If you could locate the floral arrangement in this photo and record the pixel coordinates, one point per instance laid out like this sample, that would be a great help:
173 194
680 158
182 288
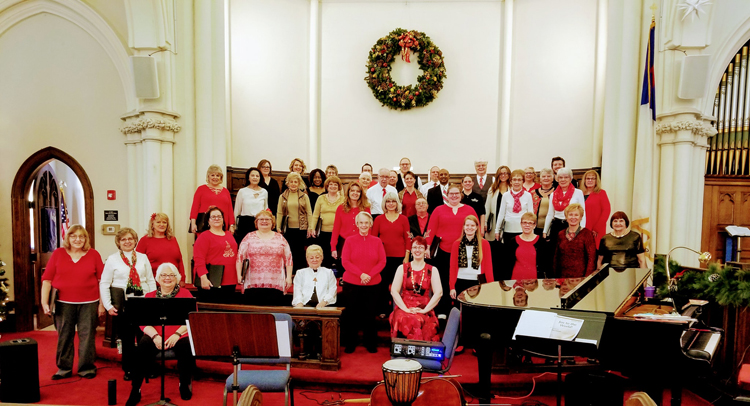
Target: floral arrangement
725 285
383 53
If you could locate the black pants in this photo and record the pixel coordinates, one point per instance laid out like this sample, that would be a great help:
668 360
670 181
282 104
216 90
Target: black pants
128 334
147 353
297 240
265 297
497 249
387 274
359 314
221 294
245 225
340 252
554 230
442 261
324 240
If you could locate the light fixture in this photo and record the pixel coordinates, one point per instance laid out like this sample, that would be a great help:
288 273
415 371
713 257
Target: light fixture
703 258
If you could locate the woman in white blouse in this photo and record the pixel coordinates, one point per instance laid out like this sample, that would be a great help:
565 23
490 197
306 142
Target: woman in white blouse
564 195
250 200
515 202
314 285
130 271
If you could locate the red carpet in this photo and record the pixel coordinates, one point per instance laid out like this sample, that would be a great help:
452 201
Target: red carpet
360 371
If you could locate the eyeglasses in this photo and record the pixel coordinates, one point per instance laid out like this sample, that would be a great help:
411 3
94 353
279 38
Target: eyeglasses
77 237
266 167
168 275
127 239
216 217
454 193
528 223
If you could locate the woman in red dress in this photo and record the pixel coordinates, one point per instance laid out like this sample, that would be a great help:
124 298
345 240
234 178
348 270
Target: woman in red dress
414 317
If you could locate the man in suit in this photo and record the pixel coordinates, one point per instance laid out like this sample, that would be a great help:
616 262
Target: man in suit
482 182
404 165
439 194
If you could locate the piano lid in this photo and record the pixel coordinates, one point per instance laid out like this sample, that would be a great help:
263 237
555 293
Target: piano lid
602 291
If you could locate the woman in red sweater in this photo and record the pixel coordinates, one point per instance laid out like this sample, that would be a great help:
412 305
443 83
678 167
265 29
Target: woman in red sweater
160 246
446 223
393 229
74 270
363 258
575 253
215 248
212 194
343 223
597 205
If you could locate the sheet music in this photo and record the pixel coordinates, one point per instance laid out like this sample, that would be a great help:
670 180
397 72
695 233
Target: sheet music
736 231
534 323
282 338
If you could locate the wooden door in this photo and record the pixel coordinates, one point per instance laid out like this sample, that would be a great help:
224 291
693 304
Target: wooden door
726 201
46 232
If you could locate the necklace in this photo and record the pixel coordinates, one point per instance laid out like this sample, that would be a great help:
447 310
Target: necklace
417 287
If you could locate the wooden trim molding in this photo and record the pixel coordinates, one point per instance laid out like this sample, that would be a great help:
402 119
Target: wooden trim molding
23 273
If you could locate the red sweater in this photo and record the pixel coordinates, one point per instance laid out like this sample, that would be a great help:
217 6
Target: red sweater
215 249
76 282
597 214
161 250
485 266
395 236
363 255
344 225
169 330
448 226
204 198
575 258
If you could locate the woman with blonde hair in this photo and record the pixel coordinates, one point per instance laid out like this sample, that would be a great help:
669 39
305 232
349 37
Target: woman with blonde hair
597 204
160 246
74 270
575 252
129 271
325 214
294 217
212 194
529 179
297 166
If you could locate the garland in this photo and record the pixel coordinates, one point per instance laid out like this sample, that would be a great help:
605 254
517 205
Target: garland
383 53
727 286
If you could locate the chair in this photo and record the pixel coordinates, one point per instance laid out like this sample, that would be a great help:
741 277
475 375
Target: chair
274 380
450 340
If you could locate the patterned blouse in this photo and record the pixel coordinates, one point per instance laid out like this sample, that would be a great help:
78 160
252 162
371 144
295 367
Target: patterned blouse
268 261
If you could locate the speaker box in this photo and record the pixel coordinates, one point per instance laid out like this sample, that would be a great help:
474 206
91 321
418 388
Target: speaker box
19 371
593 389
145 76
694 76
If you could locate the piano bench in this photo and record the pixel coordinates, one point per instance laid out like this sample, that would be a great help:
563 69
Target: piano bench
743 378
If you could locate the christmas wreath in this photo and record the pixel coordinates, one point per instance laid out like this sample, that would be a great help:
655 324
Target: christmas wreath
383 53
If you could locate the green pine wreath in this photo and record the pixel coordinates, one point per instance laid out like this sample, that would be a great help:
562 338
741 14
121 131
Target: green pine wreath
430 59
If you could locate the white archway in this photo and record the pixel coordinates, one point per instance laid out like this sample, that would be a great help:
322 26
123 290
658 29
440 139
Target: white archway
14 11
719 61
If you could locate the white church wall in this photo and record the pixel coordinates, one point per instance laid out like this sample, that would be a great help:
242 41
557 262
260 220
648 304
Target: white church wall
552 108
60 89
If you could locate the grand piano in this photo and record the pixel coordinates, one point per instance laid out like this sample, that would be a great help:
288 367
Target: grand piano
646 350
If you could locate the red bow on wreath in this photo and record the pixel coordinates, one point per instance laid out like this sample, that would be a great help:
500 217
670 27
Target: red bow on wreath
406 41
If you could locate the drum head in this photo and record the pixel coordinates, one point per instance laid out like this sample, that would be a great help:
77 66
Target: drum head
402 365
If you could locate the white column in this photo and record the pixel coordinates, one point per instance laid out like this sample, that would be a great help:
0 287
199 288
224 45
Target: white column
503 143
666 177
130 146
600 75
203 89
167 178
314 155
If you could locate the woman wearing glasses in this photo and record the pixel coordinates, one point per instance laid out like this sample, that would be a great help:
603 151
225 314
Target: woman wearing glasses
268 183
215 250
525 252
269 274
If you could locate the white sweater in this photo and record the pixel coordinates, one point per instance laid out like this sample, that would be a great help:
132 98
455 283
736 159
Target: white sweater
116 274
325 285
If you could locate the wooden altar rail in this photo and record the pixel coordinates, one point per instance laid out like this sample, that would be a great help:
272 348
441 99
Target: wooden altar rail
328 318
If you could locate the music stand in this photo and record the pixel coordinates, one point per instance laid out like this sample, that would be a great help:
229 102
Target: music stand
232 335
153 311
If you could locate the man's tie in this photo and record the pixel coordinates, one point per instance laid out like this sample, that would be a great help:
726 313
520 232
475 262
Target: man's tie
481 183
383 192
445 194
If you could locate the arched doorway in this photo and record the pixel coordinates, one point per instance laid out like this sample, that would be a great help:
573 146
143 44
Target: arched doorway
23 272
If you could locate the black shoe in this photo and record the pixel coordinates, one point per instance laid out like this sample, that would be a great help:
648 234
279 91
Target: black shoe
186 391
88 375
127 376
134 398
349 349
57 376
372 349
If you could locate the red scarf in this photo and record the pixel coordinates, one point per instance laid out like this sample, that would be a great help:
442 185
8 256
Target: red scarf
134 281
560 199
516 200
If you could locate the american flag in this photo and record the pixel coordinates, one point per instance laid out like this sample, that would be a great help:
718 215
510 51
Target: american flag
64 217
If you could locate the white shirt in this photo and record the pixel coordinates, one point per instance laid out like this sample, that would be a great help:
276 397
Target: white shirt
484 180
426 187
116 274
375 196
552 213
469 273
250 202
513 220
325 285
